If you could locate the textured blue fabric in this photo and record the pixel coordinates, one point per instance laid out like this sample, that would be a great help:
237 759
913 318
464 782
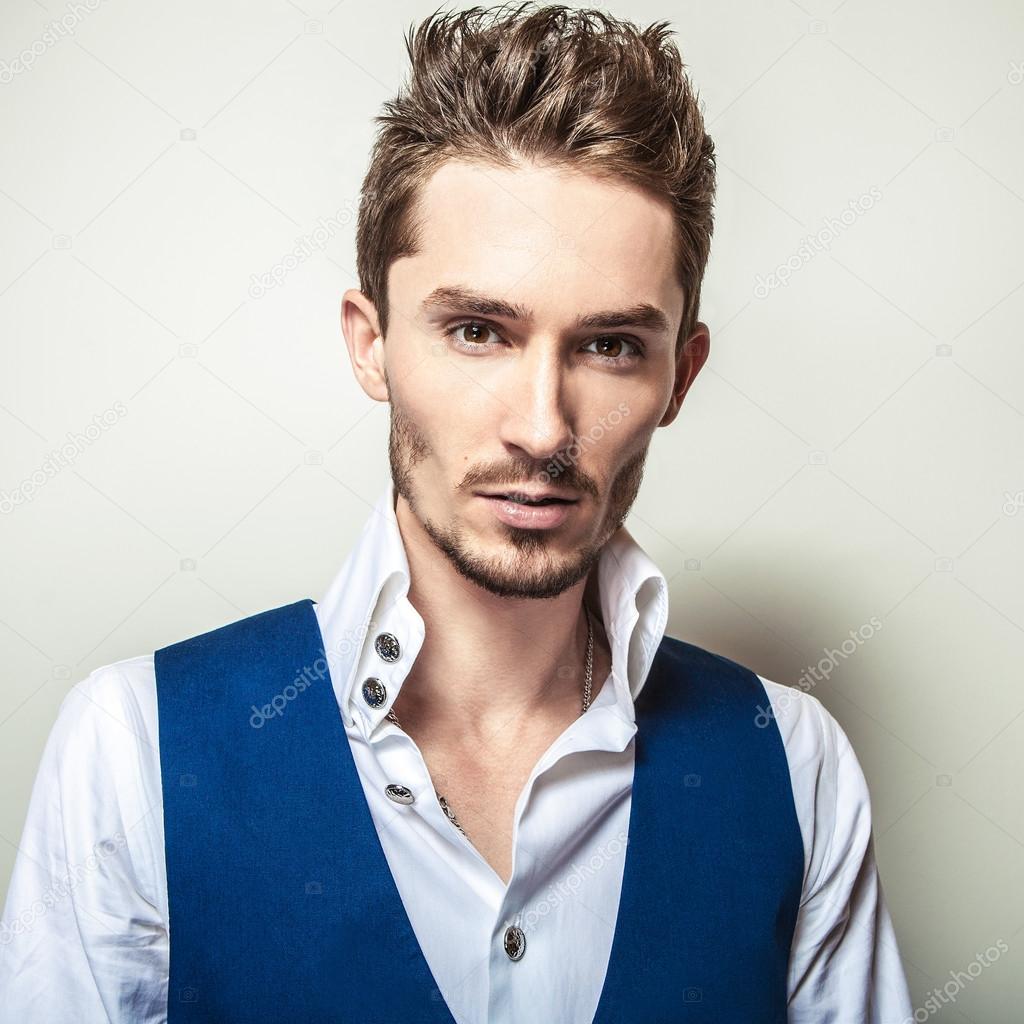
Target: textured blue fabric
283 907
714 864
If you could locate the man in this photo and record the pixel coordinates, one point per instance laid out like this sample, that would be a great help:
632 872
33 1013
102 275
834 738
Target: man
477 782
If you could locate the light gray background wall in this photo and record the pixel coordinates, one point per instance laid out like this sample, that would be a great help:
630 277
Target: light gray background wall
853 449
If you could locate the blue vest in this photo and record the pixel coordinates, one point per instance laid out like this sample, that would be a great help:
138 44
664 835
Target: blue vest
282 904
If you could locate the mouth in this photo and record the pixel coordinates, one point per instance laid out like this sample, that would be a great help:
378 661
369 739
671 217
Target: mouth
541 510
534 499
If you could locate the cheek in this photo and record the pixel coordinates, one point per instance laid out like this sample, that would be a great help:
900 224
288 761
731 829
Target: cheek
458 422
620 435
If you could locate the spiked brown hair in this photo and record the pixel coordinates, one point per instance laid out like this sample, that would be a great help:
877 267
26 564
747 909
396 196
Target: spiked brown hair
570 87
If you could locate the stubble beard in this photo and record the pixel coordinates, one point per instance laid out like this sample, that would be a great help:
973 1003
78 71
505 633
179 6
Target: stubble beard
529 569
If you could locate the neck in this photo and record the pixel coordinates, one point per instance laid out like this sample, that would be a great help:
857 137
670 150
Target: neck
493 670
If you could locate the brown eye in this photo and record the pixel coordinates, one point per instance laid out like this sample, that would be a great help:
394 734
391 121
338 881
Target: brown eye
473 336
609 346
473 332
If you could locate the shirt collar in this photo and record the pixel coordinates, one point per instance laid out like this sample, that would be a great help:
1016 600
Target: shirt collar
369 596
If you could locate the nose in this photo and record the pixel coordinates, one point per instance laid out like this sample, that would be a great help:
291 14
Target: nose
536 423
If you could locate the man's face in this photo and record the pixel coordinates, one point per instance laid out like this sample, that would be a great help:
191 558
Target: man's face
499 385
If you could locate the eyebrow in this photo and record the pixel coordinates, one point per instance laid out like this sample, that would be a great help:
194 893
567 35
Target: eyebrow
643 314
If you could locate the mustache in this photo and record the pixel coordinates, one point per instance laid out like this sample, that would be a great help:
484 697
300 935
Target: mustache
516 474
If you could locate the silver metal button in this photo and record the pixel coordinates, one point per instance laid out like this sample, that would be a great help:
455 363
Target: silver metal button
515 942
373 692
400 794
387 646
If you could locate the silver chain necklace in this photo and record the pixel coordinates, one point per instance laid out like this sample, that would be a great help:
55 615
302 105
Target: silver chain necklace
587 681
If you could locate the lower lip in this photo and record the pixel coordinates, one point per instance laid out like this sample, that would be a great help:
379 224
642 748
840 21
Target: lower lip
531 517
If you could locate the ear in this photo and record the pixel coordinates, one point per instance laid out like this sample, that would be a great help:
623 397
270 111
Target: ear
693 353
360 326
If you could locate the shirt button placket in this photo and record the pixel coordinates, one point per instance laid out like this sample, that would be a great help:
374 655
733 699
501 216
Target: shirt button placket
388 649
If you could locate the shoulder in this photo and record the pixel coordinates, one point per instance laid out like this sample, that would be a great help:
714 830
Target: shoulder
105 741
830 792
705 669
99 776
809 732
814 741
106 715
808 729
264 625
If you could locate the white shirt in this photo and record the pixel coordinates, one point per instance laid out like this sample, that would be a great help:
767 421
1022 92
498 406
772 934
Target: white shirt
84 934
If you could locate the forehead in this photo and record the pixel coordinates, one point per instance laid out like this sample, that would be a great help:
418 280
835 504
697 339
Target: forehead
550 238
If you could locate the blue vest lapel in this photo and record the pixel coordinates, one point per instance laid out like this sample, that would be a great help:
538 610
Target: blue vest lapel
714 861
282 905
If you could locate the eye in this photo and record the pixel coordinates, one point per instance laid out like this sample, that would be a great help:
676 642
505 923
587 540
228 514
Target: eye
470 334
616 341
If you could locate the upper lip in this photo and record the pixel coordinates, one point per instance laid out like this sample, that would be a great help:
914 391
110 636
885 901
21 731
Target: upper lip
532 495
